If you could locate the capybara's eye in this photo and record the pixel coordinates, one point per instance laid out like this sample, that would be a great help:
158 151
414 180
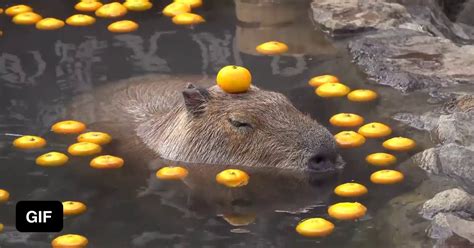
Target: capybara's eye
239 124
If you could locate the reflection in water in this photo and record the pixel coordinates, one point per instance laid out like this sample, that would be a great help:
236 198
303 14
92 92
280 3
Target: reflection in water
145 59
12 71
215 51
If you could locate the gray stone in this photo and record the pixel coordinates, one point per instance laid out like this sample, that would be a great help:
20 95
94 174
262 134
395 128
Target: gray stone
408 60
449 201
450 160
349 16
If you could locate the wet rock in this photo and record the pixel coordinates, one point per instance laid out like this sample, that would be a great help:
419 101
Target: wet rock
409 60
350 16
450 160
449 201
451 213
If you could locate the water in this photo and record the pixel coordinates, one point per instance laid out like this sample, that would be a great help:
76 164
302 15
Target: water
40 72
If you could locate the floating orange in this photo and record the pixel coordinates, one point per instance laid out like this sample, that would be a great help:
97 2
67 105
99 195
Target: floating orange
88 5
272 48
124 26
375 130
233 178
315 227
176 8
386 177
98 138
49 24
4 195
350 190
349 139
362 95
68 127
346 120
137 5
111 10
17 9
26 18
192 3
381 159
399 144
329 90
84 149
29 142
80 20
106 162
172 173
73 208
187 19
323 79
52 159
70 241
347 210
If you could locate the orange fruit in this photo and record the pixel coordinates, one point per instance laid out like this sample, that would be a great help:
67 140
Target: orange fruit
111 10
106 162
233 178
187 19
137 5
323 79
375 130
70 241
84 149
52 159
172 173
192 3
386 177
381 159
123 26
80 20
272 48
362 95
49 24
29 142
176 8
17 9
234 79
315 227
26 18
347 210
73 208
329 90
350 190
88 5
68 127
98 138
349 139
4 195
399 144
346 120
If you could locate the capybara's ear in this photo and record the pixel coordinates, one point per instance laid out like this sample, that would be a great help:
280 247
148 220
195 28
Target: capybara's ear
195 99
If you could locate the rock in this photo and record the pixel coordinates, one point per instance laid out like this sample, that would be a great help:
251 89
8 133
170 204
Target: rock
350 16
409 60
449 201
456 128
451 212
450 160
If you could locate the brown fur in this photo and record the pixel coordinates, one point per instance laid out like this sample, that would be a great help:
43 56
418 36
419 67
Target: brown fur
154 108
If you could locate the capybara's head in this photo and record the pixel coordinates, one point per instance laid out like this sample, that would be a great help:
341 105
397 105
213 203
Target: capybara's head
255 128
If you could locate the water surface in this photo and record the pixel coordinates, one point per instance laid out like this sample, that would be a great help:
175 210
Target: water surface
40 72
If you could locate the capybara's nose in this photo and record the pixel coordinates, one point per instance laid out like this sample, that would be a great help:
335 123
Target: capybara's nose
322 162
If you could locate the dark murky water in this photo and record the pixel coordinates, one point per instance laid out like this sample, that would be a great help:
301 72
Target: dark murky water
41 71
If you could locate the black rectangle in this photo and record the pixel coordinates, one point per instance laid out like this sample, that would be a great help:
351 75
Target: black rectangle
39 216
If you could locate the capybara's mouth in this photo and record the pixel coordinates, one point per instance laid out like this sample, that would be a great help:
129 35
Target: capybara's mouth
327 175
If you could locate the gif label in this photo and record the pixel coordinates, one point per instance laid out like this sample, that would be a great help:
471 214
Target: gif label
39 216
